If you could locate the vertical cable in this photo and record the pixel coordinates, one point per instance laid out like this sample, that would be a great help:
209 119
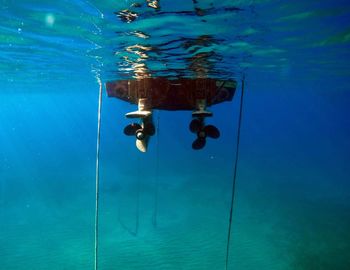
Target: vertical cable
97 176
234 176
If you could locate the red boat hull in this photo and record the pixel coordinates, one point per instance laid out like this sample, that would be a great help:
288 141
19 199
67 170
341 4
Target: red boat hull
165 94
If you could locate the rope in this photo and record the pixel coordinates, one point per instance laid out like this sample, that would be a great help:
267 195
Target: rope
97 177
234 176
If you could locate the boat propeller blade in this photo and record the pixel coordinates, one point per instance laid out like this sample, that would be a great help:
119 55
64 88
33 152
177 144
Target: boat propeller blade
199 143
212 131
196 125
131 129
149 129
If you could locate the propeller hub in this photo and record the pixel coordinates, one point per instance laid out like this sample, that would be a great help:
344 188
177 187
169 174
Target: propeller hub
140 135
202 134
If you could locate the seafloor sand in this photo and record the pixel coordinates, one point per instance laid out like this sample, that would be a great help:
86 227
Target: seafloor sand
48 224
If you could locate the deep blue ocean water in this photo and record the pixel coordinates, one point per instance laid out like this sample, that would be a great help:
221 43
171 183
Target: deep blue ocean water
292 199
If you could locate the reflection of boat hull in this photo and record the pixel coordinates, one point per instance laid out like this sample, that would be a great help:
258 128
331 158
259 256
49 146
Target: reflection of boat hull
164 94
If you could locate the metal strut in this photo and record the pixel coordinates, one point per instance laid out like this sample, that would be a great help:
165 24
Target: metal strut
234 176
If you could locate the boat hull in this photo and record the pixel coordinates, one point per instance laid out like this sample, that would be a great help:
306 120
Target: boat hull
180 94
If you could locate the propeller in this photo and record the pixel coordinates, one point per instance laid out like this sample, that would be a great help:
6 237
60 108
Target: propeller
198 143
212 131
197 126
149 129
136 129
130 130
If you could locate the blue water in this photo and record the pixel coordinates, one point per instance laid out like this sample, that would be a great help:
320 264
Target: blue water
292 204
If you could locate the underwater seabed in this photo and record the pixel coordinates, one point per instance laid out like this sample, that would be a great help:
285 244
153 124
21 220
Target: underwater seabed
272 229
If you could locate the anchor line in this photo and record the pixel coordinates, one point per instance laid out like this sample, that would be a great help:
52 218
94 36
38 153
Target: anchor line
234 176
97 176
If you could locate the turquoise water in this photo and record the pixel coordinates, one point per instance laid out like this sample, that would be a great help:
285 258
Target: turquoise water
292 204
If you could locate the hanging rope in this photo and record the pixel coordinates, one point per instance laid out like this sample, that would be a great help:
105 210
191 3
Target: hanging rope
97 176
234 176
